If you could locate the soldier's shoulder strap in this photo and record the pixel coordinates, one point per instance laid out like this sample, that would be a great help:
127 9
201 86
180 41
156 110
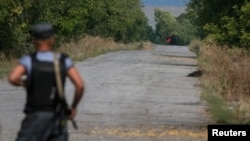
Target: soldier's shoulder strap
58 75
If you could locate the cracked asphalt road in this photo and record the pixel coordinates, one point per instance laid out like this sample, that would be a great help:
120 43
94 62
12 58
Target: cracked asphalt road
130 96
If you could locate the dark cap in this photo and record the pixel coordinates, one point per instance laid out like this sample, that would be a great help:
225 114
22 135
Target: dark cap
42 31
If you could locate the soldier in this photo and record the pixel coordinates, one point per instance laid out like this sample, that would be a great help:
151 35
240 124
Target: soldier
42 120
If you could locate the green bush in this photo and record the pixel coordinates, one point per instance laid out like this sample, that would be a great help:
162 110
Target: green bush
225 22
122 20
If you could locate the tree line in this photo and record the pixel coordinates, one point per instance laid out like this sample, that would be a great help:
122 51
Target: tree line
122 20
225 22
178 29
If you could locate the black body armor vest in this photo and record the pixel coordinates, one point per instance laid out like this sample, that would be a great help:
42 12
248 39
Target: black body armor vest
42 92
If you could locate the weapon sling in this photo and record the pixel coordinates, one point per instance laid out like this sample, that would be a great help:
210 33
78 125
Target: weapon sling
59 84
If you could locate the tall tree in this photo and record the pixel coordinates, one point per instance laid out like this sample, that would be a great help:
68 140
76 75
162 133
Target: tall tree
122 20
222 21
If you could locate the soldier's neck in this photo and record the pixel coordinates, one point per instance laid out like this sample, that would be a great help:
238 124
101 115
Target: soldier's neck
44 48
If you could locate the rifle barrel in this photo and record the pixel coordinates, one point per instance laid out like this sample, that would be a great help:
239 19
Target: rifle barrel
74 124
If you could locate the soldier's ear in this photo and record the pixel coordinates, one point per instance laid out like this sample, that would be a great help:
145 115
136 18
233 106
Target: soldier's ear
52 41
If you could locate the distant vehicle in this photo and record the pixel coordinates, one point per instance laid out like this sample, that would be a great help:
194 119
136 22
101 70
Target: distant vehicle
168 40
173 40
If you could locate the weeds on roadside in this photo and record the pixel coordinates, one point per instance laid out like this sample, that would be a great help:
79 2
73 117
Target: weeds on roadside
93 46
195 46
82 49
5 65
226 82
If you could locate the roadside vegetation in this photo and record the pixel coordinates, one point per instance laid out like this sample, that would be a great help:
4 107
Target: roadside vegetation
123 20
223 51
225 81
5 65
82 49
84 28
94 46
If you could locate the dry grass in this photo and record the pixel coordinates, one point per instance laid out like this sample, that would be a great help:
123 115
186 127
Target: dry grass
227 76
82 49
93 46
195 46
5 65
